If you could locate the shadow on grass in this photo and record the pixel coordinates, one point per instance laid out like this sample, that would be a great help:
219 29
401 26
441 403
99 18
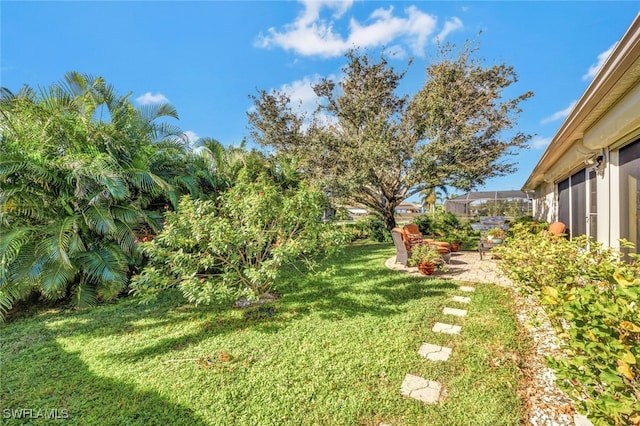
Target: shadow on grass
358 284
43 376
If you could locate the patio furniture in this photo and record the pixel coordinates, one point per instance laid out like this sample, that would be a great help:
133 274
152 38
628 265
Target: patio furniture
486 245
402 254
412 236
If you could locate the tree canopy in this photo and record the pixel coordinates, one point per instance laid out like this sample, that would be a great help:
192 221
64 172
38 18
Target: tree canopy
369 145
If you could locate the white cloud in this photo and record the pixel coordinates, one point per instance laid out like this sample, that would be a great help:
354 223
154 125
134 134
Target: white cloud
540 143
301 93
304 99
192 136
450 26
594 68
311 34
149 98
560 114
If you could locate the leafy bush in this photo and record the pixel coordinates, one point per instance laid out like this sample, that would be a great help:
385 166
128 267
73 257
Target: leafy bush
535 259
425 224
235 247
445 225
530 223
592 297
373 227
602 340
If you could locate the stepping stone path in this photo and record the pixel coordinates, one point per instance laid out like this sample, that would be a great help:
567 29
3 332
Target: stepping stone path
440 327
428 391
434 352
418 388
455 312
461 299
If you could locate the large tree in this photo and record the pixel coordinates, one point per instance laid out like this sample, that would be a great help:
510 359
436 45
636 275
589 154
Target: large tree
372 146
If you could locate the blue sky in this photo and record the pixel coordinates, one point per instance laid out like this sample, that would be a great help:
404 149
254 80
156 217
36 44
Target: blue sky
207 57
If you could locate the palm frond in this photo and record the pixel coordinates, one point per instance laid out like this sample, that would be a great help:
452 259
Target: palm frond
85 295
153 219
77 245
12 292
126 214
99 219
110 290
146 181
12 242
57 239
152 112
55 278
187 183
27 265
104 265
125 236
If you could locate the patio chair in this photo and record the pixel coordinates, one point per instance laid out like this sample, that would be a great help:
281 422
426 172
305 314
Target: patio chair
402 253
412 236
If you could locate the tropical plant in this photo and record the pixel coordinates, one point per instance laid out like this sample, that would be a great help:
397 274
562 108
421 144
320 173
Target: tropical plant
75 186
495 233
424 253
372 226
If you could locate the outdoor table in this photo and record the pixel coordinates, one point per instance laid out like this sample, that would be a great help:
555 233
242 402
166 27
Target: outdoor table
485 246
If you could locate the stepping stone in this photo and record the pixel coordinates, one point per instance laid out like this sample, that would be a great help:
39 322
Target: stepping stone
434 352
581 420
446 328
418 388
456 312
466 288
461 299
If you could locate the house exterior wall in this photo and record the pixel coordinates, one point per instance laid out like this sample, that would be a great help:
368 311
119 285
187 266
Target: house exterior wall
605 121
609 199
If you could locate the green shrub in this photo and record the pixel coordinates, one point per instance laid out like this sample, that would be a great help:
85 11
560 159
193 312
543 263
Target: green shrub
425 224
530 223
602 340
236 246
441 224
373 227
535 259
592 298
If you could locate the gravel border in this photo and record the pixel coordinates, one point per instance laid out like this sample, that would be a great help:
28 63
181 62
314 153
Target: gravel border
547 404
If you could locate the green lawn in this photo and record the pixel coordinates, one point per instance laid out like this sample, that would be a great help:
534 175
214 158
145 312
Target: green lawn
332 351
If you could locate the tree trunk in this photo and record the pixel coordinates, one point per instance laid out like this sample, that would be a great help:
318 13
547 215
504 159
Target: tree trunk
388 215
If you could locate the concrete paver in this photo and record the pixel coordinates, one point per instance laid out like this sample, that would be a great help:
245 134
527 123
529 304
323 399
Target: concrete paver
465 267
440 327
455 312
434 352
423 390
467 288
461 299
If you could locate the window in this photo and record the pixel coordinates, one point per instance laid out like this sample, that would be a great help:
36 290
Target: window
630 193
572 203
564 204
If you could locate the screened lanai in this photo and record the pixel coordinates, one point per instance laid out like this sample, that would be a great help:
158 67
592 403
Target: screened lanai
491 203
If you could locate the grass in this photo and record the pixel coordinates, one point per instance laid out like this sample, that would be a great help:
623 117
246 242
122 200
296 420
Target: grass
332 351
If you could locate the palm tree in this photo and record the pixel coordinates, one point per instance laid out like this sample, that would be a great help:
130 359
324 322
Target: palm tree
430 197
76 183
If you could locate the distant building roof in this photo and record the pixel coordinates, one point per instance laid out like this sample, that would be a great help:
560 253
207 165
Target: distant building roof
470 197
